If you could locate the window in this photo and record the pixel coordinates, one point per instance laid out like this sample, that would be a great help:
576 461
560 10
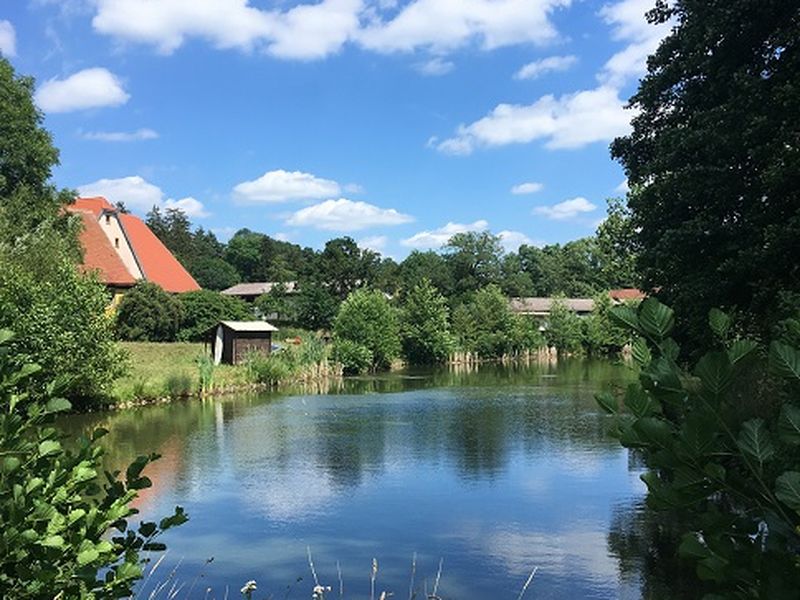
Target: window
116 243
108 219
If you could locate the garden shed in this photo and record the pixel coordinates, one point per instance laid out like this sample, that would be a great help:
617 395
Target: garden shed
232 341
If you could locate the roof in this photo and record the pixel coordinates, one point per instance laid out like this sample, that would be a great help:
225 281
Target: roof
157 263
98 254
627 294
258 288
542 305
95 205
249 325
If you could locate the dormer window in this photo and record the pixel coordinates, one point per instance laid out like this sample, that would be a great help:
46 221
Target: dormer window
108 219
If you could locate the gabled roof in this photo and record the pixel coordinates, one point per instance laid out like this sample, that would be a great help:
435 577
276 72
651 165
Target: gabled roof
98 254
249 325
156 261
543 305
627 294
95 205
258 288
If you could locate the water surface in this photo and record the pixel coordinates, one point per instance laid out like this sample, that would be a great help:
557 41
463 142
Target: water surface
495 472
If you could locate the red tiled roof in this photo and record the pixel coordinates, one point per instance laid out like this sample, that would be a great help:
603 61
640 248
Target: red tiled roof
156 261
627 294
95 205
98 254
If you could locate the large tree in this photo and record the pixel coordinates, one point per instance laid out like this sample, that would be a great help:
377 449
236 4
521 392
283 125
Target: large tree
714 157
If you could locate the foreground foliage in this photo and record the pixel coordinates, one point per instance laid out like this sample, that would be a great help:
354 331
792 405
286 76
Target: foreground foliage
64 527
726 466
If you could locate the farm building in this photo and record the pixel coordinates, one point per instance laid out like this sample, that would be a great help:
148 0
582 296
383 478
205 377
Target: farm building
250 291
232 341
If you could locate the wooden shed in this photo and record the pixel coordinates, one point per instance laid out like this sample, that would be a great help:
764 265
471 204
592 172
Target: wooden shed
232 341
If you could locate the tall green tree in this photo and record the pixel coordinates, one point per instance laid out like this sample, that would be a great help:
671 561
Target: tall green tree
367 318
617 246
474 260
425 326
714 156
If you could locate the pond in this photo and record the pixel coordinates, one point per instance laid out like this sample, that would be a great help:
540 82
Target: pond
492 472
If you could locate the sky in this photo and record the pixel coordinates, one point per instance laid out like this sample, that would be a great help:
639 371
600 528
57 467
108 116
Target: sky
398 123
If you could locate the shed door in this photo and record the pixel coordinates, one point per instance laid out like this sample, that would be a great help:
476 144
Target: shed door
218 346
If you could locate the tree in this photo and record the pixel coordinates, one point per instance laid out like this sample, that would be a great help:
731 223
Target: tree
315 306
564 328
617 246
244 253
429 265
203 309
474 260
713 158
367 318
212 273
424 326
343 266
148 314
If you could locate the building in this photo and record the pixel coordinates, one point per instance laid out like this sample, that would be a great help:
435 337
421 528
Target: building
250 291
232 341
540 307
626 295
122 250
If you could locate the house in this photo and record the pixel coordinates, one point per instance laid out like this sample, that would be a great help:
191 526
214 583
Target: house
122 250
232 341
626 294
540 307
250 291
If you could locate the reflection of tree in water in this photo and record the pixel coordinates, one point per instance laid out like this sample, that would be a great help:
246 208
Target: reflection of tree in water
476 435
645 543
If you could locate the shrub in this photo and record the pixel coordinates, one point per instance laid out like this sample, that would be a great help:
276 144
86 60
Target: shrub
367 319
564 328
148 314
354 357
65 526
178 385
424 325
268 369
728 468
601 335
203 309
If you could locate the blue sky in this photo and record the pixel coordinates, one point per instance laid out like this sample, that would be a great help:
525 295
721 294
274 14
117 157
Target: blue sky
395 122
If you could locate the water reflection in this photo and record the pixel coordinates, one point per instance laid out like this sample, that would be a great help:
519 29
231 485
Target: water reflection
496 470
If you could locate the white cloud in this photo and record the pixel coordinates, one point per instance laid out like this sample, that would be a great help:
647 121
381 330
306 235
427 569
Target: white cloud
435 66
570 121
568 209
550 64
8 39
629 25
529 187
623 187
310 31
90 88
281 186
512 240
447 25
436 238
353 188
191 207
346 215
377 243
120 136
139 195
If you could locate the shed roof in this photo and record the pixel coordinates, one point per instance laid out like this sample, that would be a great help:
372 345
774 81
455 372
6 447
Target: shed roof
98 254
249 325
543 305
257 288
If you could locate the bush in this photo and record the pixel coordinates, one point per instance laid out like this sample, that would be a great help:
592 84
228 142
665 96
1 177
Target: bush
600 334
65 526
179 385
424 324
213 273
564 328
203 309
366 318
726 467
354 358
60 316
268 369
148 314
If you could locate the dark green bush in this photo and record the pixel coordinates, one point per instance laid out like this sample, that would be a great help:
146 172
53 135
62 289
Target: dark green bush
424 326
355 358
268 369
367 318
148 314
723 463
203 309
65 527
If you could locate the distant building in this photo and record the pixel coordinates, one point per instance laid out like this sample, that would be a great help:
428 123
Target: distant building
122 250
250 291
233 341
626 294
540 307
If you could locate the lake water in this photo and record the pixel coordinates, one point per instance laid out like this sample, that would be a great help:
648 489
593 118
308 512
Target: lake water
492 472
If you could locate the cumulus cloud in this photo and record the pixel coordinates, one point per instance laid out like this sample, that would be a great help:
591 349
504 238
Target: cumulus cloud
377 243
281 186
436 238
90 88
121 136
512 240
623 187
8 39
435 66
529 187
568 209
346 215
139 195
550 64
570 121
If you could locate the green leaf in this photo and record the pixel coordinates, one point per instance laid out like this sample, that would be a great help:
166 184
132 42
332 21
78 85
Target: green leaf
787 489
88 556
741 349
11 464
670 349
625 317
789 424
654 431
715 372
691 547
639 402
6 336
719 322
656 319
49 447
640 352
58 405
607 402
784 360
754 441
53 541
128 570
